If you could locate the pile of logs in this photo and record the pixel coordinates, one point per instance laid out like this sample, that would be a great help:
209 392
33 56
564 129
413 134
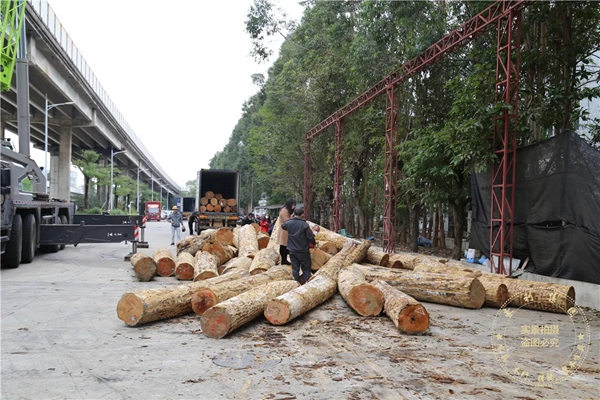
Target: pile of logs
214 202
235 279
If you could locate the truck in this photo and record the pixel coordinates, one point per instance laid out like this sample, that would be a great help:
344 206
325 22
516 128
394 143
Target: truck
186 205
152 210
224 185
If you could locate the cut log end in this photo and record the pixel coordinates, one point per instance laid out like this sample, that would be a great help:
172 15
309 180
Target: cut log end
130 309
501 297
257 271
366 300
413 320
395 264
276 312
184 272
204 275
202 300
477 293
165 267
215 323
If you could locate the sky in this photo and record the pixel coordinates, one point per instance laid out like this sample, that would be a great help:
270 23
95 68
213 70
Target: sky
179 72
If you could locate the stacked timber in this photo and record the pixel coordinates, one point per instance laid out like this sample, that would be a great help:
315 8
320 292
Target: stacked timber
215 202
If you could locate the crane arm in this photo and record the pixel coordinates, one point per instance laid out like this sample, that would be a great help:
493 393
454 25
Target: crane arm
12 13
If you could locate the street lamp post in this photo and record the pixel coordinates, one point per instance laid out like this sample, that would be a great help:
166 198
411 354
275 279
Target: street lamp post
112 154
48 108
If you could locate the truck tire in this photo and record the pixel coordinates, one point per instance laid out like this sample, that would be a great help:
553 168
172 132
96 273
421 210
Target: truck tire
29 239
12 256
63 221
49 248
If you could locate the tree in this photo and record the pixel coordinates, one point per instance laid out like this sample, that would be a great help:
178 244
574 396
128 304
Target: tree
89 167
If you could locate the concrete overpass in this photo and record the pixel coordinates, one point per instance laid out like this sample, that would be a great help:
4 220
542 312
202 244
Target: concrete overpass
58 71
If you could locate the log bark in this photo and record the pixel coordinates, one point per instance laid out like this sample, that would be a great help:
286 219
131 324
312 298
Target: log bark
332 267
223 253
274 234
406 313
263 239
165 262
318 258
205 298
447 270
363 297
542 296
248 242
377 257
326 235
184 269
236 237
264 260
234 264
192 244
288 306
229 315
144 266
327 247
205 266
256 227
136 308
458 291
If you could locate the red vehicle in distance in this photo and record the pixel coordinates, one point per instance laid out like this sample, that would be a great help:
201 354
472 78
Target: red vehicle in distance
152 210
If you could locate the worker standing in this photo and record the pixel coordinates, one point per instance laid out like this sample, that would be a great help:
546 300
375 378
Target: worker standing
176 220
300 237
282 237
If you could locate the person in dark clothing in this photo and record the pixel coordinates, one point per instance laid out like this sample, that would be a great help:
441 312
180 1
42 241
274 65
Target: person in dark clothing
191 221
299 238
248 219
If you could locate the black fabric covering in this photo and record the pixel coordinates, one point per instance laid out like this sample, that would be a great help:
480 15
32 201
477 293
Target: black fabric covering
557 209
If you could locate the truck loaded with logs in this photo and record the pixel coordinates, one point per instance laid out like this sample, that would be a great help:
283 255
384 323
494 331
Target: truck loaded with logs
217 198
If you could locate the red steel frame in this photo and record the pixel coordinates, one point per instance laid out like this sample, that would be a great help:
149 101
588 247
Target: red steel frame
337 177
505 143
498 13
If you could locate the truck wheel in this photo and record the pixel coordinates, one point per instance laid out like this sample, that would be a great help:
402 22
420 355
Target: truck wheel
29 233
49 248
63 221
14 247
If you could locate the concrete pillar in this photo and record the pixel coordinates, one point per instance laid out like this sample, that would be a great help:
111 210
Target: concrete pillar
52 175
64 164
2 128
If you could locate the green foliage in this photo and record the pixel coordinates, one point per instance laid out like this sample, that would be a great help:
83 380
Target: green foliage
93 210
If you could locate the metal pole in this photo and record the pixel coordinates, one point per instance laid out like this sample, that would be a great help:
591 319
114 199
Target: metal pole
152 180
137 206
111 179
46 143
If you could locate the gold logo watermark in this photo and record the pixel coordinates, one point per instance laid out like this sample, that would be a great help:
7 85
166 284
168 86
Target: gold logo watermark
519 346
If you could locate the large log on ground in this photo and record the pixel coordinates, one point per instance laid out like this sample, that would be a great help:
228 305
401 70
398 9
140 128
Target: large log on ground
229 315
274 234
543 296
406 313
332 267
318 258
192 244
162 303
184 269
236 237
235 264
364 298
447 269
223 253
458 291
377 257
327 247
205 298
326 235
144 266
288 306
263 239
205 266
264 260
165 262
248 242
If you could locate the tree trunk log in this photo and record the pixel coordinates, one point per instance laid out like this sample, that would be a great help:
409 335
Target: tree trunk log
332 267
205 266
203 201
318 258
447 270
144 266
229 315
377 257
184 269
223 252
248 242
264 260
205 298
406 313
263 240
273 240
363 297
435 288
329 236
288 306
162 303
327 247
209 194
192 244
236 263
165 262
232 202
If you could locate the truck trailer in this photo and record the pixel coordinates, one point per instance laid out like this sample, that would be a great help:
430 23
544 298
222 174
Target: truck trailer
223 188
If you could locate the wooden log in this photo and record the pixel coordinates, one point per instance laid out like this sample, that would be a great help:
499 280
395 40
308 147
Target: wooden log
214 202
274 234
229 315
542 296
144 266
235 264
165 262
203 201
222 267
223 202
236 238
327 247
192 244
332 267
209 194
248 241
406 313
217 208
377 257
263 239
326 235
205 266
136 308
405 261
318 258
223 235
364 298
205 298
447 270
218 196
285 308
210 207
232 202
264 260
458 291
256 227
203 208
223 253
184 269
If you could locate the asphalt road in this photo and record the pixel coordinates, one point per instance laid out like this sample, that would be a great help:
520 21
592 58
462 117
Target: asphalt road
61 339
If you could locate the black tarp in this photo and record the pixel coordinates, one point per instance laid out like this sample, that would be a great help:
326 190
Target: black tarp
557 209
